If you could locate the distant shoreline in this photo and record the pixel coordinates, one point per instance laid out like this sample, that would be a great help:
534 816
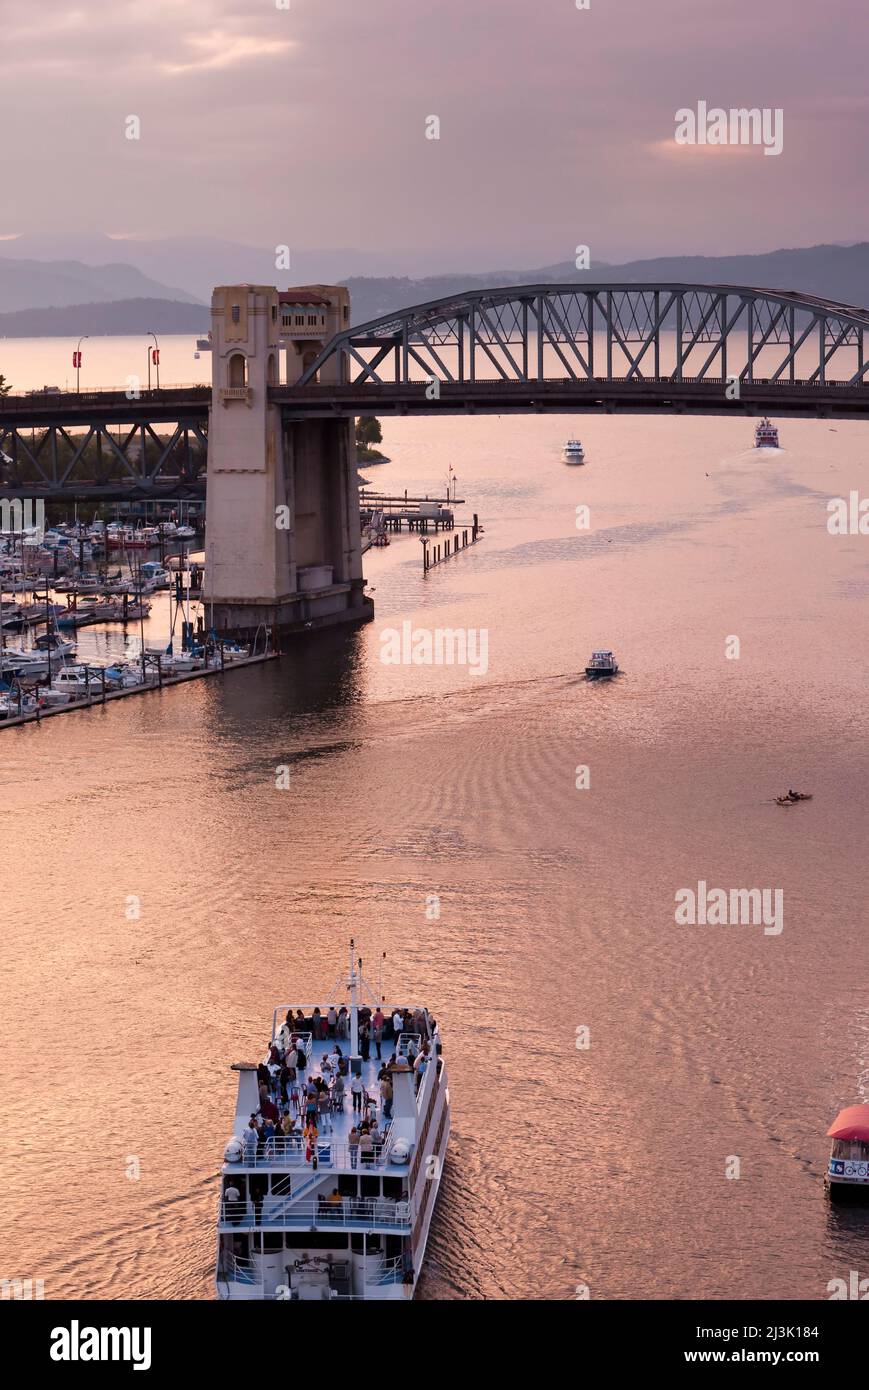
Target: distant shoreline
117 319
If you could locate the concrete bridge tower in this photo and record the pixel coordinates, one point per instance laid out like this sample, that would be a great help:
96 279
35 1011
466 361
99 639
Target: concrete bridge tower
282 512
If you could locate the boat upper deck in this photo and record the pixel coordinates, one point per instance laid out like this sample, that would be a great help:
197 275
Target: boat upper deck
271 1090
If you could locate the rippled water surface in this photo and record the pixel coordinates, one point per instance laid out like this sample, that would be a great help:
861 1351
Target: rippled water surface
605 1165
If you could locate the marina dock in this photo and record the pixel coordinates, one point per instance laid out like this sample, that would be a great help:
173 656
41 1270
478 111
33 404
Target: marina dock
158 681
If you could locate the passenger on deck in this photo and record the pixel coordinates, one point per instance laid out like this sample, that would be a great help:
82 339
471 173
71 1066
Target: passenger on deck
315 1023
419 1067
412 1050
332 1021
312 1096
343 1027
356 1090
419 1022
250 1140
311 1136
364 1039
376 1136
299 1022
353 1146
268 1109
324 1105
338 1093
377 1023
232 1198
386 1097
366 1147
397 1023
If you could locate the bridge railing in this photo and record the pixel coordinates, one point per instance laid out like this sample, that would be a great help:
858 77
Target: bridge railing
105 395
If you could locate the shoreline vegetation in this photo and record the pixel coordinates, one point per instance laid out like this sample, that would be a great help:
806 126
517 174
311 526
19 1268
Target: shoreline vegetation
369 433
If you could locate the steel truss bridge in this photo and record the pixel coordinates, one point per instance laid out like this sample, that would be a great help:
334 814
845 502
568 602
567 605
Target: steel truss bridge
661 348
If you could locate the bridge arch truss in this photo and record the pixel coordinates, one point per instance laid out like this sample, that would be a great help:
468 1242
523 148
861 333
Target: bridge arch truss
615 332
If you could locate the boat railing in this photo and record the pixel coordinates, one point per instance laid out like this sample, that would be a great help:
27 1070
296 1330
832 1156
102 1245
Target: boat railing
313 1215
290 1151
238 1269
387 1272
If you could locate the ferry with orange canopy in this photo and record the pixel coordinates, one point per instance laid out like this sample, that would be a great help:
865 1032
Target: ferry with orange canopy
848 1170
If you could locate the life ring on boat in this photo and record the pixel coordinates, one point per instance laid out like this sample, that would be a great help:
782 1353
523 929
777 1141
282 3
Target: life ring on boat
233 1151
400 1151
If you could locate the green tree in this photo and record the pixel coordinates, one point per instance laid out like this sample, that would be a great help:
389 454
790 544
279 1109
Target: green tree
5 386
368 431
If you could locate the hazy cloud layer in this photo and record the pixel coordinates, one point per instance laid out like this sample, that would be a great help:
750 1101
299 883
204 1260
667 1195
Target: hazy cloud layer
307 126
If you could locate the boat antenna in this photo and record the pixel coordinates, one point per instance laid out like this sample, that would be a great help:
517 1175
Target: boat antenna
354 1004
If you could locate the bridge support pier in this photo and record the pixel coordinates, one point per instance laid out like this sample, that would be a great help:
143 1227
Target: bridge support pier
283 546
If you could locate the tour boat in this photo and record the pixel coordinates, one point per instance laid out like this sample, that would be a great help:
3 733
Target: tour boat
601 664
573 452
848 1169
765 435
314 1216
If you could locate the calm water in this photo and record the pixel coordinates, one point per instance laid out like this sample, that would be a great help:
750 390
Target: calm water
603 1166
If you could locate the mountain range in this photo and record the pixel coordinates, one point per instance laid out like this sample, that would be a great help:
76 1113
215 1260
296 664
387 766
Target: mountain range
63 298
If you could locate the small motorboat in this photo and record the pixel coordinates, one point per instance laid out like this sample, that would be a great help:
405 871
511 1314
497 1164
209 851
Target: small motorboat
12 704
601 665
77 681
847 1177
573 451
791 798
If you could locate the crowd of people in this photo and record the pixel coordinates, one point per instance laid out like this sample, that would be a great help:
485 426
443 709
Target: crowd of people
297 1107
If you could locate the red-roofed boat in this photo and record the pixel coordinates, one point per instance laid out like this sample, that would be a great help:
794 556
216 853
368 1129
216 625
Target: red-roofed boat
848 1170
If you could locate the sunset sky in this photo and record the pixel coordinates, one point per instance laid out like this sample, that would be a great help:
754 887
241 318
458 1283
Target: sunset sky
306 125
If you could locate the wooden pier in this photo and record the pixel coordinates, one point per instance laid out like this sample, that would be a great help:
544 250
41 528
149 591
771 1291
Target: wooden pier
465 536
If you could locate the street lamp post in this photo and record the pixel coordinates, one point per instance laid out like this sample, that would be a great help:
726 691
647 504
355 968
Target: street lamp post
78 360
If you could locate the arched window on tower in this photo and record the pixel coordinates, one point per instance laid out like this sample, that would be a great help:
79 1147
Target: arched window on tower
237 370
